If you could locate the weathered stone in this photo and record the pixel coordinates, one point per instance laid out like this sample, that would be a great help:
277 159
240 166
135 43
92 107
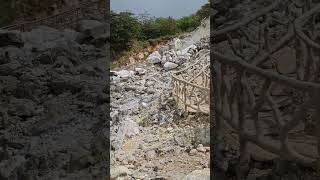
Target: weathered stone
154 58
92 28
10 38
169 65
140 71
23 108
119 172
177 44
150 155
11 167
203 174
193 152
125 74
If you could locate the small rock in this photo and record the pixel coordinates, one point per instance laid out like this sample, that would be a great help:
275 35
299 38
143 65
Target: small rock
169 129
140 71
193 152
169 65
125 74
203 174
177 44
150 155
200 148
118 172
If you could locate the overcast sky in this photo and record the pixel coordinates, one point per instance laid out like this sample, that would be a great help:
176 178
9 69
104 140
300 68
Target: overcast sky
158 8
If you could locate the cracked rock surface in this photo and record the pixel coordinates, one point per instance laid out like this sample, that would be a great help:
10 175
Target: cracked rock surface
53 101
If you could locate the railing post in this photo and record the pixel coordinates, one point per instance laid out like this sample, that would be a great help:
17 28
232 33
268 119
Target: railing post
218 160
317 105
185 97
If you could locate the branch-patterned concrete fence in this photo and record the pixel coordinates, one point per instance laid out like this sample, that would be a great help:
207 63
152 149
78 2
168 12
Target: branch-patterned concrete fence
191 84
66 19
264 107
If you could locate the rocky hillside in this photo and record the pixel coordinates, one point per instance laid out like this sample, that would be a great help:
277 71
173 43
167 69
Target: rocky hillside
53 101
150 136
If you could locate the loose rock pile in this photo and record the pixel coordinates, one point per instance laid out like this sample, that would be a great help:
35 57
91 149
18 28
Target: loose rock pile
53 104
171 58
148 136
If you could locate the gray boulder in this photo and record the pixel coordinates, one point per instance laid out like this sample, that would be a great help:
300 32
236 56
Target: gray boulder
42 34
11 167
22 108
189 49
154 58
92 28
10 38
163 49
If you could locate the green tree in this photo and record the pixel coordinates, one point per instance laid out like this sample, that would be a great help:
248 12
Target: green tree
188 23
166 26
7 12
204 12
124 29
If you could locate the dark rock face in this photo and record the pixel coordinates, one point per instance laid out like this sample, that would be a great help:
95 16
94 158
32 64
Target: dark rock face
53 106
93 32
12 38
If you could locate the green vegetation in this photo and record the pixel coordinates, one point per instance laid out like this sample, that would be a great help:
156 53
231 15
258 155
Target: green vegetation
138 31
7 12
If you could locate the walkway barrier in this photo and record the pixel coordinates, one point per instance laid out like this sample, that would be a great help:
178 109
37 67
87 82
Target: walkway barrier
266 111
191 84
67 19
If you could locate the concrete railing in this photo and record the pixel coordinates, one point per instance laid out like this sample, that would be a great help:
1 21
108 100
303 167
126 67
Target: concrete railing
191 85
244 89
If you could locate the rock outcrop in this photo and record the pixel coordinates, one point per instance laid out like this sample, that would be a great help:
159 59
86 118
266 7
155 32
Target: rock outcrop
53 101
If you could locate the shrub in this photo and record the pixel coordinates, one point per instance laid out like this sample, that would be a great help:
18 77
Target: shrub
188 23
7 12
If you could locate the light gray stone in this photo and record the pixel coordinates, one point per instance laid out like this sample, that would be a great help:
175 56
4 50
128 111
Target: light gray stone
125 74
119 172
170 65
203 174
154 58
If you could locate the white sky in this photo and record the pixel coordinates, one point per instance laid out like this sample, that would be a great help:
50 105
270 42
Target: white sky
158 8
